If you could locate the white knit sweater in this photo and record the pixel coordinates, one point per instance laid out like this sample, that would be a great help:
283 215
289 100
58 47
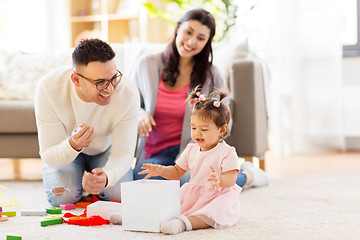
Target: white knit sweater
58 109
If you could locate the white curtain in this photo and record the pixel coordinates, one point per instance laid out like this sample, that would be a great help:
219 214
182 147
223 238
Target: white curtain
304 53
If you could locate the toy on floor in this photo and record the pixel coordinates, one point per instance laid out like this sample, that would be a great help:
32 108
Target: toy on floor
53 217
12 237
9 213
48 222
54 210
2 218
33 213
83 220
86 201
68 206
82 204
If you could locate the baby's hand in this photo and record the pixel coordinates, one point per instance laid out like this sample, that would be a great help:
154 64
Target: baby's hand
151 170
214 178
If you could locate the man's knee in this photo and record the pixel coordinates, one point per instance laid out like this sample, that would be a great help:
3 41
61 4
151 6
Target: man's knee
60 195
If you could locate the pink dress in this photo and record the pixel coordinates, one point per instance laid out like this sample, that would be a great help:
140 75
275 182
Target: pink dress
219 208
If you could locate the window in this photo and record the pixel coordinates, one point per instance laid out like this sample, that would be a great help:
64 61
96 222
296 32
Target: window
350 27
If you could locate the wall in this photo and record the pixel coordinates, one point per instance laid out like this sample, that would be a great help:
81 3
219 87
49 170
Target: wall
351 96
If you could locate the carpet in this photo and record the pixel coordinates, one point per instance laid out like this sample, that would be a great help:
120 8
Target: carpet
322 208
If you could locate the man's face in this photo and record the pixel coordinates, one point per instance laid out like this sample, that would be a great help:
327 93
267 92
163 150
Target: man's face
94 73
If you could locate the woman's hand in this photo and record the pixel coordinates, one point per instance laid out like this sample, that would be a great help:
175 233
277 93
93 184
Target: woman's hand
145 125
151 170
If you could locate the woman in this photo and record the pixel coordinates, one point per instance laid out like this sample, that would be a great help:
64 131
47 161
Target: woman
164 81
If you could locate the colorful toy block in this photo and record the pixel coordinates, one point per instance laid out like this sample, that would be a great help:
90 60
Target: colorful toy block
54 210
162 203
68 206
33 213
49 222
12 237
54 217
82 204
103 209
9 213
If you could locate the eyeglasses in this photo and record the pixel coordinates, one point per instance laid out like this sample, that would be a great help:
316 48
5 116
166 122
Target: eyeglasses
102 84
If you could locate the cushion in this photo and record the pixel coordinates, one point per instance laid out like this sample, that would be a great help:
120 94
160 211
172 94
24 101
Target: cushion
17 117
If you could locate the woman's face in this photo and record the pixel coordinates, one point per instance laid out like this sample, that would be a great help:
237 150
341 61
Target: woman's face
191 38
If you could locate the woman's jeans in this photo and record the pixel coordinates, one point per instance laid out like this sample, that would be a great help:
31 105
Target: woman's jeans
70 176
166 158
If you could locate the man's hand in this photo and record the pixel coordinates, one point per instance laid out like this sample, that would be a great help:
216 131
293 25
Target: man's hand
81 136
95 181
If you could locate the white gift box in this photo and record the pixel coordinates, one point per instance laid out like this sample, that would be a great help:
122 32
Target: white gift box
103 209
148 203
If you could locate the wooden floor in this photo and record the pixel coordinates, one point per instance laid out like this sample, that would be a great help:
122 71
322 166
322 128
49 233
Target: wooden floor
297 166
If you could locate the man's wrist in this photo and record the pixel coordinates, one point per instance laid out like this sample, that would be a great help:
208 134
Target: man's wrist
73 145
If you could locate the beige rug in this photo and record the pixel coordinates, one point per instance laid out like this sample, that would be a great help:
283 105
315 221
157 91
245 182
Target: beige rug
287 209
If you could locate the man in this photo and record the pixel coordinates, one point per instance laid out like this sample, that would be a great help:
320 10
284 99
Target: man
87 126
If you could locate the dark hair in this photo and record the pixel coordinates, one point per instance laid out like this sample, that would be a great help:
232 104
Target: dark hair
203 60
92 50
211 108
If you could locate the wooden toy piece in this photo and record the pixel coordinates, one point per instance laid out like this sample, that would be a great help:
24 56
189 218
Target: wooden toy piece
12 237
68 206
54 221
77 218
82 204
3 218
54 210
54 217
33 213
9 213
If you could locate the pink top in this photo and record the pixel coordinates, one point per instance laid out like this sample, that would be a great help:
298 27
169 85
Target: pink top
169 115
219 208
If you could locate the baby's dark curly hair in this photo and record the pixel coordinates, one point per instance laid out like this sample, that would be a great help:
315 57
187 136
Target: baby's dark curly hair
211 108
92 50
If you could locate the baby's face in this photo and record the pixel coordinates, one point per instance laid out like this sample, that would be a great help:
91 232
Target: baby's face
204 133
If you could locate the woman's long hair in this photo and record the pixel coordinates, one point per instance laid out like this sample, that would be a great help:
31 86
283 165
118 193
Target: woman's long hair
202 61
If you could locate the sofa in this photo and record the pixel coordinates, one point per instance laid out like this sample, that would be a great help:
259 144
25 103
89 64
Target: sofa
20 72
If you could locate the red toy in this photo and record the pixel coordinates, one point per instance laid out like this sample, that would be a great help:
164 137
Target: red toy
83 220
